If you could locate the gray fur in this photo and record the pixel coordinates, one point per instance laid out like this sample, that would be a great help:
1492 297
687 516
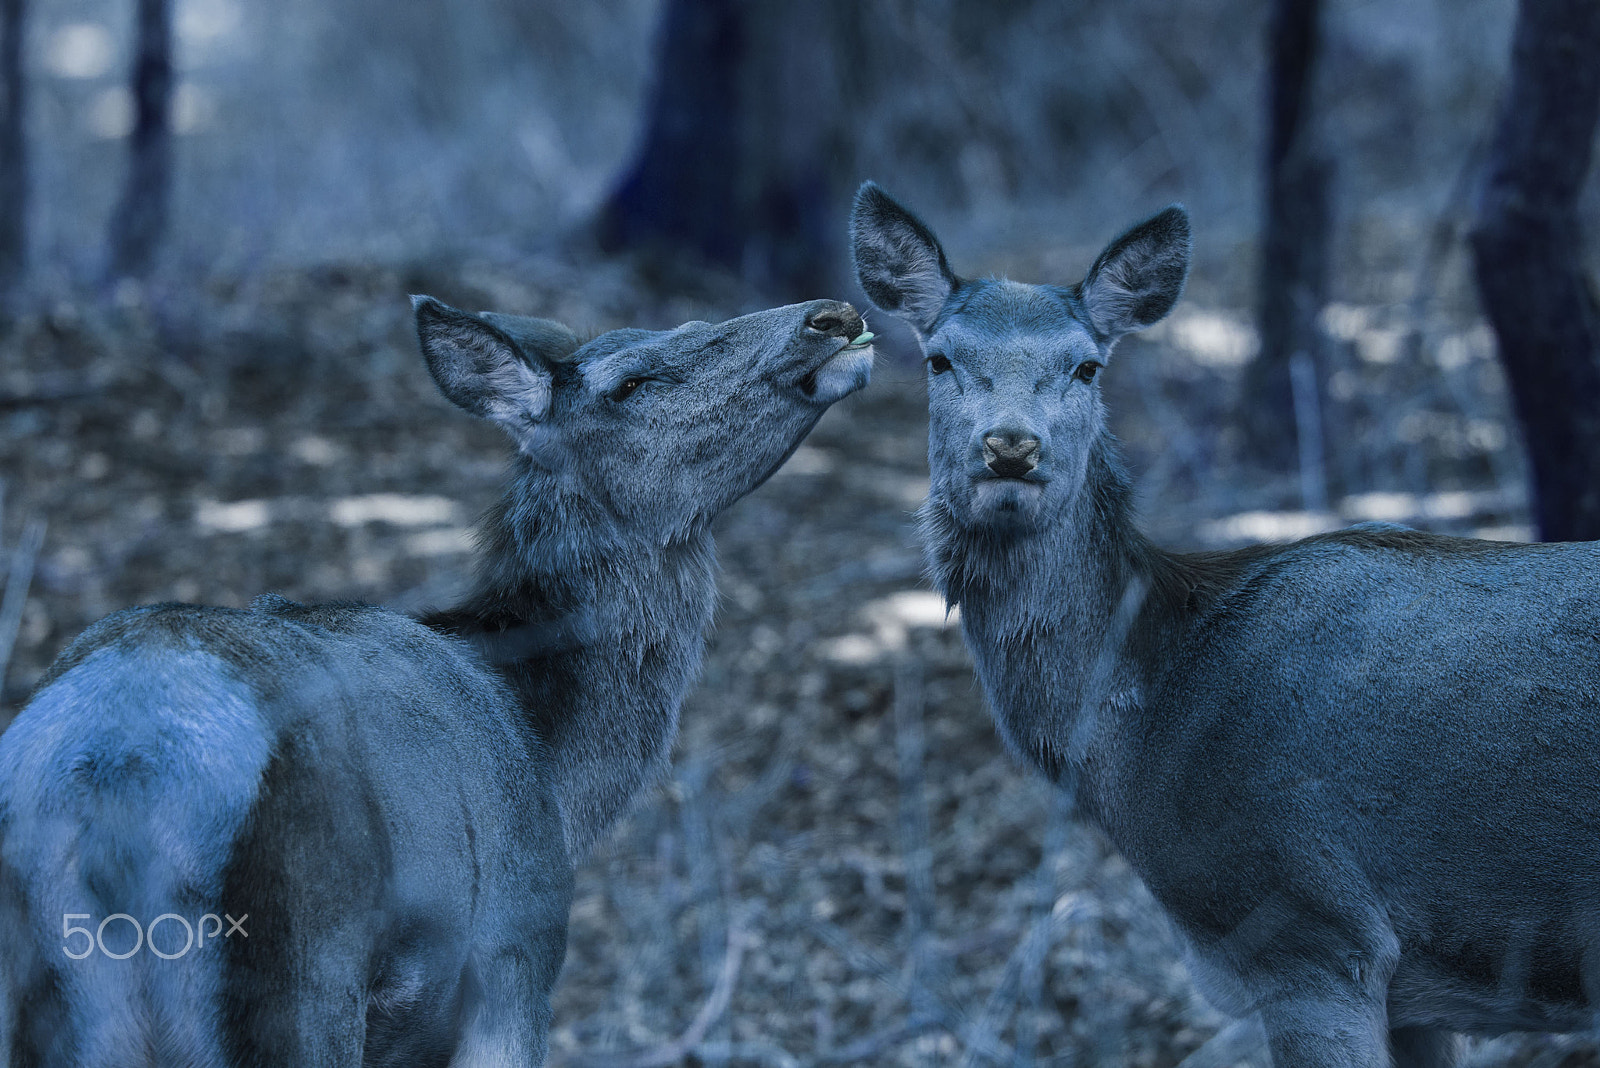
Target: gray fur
397 805
1360 771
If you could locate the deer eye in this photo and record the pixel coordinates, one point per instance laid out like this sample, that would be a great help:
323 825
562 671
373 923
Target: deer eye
625 389
938 363
1086 371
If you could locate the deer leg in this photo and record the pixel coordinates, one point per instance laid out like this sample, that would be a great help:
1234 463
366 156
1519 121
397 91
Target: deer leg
505 1014
1424 1047
1327 1032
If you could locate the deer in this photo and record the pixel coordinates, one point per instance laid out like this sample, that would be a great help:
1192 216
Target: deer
390 809
1359 772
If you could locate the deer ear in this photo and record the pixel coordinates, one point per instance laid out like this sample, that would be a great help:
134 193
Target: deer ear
898 260
544 339
1139 276
480 368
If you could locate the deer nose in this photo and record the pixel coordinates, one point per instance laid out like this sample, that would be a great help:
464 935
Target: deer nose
837 319
1010 453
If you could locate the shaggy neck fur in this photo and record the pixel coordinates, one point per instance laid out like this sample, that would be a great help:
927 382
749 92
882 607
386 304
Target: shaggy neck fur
1052 617
600 634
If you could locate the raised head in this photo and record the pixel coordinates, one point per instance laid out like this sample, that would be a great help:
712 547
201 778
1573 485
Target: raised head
1013 397
661 429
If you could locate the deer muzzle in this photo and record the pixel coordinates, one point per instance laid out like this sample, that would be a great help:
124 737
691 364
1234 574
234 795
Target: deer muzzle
837 319
1009 454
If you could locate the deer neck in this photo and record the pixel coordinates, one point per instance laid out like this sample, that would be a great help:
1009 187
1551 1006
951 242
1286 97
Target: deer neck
1059 621
598 632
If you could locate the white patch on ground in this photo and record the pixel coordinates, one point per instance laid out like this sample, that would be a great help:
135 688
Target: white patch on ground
395 509
446 541
1210 337
1268 526
80 50
232 517
890 621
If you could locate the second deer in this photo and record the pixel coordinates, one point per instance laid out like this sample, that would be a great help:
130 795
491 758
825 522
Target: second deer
1361 772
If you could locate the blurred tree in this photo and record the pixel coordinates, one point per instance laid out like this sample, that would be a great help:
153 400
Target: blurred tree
1528 250
13 161
141 214
747 158
1293 284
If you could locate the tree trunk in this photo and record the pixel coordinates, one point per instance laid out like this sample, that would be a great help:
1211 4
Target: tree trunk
1528 252
13 146
141 215
745 163
1293 284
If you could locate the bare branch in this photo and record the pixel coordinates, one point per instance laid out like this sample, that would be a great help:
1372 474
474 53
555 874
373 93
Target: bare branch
914 839
711 1011
18 578
1242 1040
875 1045
932 1004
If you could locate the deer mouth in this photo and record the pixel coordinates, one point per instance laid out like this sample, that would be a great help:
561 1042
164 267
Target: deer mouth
842 372
1030 477
1008 465
1005 501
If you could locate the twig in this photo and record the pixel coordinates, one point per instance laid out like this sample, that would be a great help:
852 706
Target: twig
762 1052
9 401
985 1032
1182 441
915 844
1179 122
52 387
935 1007
740 810
1044 890
702 857
1308 427
973 99
910 749
711 1011
896 567
1444 235
18 578
1241 1040
1025 963
877 1043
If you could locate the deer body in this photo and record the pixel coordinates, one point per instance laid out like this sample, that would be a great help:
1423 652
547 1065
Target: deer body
397 807
355 809
1361 772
